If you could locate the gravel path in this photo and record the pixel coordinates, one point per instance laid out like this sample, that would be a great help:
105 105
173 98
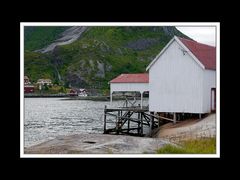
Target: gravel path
189 129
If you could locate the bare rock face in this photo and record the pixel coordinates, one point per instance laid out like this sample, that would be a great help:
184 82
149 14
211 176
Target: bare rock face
101 70
67 37
142 44
76 79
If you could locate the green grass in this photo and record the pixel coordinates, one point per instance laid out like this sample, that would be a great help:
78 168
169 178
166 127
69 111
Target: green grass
38 37
195 146
55 89
37 65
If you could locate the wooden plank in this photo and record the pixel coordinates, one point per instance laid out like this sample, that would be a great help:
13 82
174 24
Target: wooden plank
111 114
159 117
146 124
115 130
130 118
152 121
129 129
146 119
122 123
137 109
130 133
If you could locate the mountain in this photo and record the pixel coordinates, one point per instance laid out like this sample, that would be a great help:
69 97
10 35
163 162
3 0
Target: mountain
89 57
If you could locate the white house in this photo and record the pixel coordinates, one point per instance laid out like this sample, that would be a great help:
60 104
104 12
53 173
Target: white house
130 83
182 78
44 82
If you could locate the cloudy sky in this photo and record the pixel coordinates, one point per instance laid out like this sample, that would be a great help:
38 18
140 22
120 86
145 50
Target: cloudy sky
205 35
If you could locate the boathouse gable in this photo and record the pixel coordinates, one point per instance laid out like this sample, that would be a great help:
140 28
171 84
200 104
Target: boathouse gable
181 78
130 83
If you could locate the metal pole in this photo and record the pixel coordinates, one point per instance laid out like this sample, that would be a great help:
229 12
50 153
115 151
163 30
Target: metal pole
111 98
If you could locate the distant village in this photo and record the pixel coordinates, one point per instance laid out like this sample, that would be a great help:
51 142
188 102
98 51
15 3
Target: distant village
45 86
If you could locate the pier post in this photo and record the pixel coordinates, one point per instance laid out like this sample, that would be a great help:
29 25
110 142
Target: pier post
141 124
141 99
104 124
138 124
110 98
152 121
119 120
174 118
128 124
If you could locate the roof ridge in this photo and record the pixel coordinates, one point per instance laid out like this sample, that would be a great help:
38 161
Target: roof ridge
136 73
195 41
134 77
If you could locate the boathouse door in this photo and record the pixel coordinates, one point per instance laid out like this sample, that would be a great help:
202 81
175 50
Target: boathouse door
213 99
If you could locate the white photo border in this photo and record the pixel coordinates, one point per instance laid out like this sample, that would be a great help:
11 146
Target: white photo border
187 24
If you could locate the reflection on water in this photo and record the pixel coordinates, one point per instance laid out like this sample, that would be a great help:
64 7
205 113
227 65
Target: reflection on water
46 118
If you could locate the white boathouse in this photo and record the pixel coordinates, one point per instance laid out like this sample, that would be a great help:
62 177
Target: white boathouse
182 78
130 83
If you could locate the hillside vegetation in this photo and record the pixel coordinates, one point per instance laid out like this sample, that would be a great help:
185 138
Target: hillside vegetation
100 54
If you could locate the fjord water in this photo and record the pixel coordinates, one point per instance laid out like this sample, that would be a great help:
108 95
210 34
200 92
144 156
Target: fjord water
47 118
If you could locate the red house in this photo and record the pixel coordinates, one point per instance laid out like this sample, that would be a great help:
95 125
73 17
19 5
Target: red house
28 89
73 92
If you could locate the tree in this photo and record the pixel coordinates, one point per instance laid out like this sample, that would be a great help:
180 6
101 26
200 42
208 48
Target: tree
66 84
63 89
46 87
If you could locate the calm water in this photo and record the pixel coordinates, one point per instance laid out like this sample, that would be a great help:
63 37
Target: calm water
46 118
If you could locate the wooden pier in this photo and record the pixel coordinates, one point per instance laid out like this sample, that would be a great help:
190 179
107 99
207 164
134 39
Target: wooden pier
131 120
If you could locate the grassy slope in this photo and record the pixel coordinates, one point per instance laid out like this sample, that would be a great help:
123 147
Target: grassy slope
196 146
38 37
37 65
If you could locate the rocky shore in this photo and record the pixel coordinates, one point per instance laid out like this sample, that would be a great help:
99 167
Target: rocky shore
119 144
98 144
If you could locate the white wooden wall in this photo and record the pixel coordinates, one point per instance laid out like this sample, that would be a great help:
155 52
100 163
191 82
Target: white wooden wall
141 87
176 83
208 83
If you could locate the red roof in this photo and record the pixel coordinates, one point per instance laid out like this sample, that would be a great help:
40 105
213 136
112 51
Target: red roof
131 78
204 53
